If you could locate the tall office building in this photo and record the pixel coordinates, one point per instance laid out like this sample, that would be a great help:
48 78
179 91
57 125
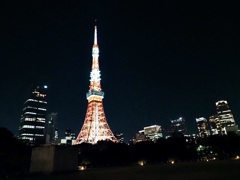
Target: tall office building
202 127
225 116
95 127
215 126
51 128
178 127
32 123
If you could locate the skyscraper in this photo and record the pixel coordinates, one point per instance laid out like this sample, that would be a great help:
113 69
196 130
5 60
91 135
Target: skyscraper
202 127
178 127
225 116
33 118
95 127
216 127
51 128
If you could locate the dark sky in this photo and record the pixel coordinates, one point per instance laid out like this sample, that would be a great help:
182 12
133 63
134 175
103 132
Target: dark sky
159 60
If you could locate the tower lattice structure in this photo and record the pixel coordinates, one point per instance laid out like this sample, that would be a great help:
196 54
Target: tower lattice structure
95 127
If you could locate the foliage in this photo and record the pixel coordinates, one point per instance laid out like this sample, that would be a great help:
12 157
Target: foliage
14 155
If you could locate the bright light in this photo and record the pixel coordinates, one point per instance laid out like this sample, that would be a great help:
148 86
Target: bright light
141 163
45 86
172 162
81 168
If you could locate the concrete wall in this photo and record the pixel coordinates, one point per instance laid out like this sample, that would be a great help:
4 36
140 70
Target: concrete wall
47 159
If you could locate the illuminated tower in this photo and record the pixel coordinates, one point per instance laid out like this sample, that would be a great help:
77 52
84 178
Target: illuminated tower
95 127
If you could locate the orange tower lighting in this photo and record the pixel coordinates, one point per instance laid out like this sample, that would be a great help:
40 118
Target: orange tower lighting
95 127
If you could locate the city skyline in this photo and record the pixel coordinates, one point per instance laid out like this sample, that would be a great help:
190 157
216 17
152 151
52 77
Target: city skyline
159 61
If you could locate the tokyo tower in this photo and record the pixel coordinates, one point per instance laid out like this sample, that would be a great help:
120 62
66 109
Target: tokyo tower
95 127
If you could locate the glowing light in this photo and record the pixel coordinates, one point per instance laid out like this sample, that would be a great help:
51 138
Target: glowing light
141 163
171 161
237 158
82 168
95 75
45 87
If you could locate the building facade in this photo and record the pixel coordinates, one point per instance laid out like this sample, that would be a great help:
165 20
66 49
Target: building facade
69 139
203 129
225 116
153 132
51 128
149 133
215 126
119 136
178 127
33 118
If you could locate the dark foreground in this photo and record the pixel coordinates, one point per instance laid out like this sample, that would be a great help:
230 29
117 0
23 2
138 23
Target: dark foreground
179 171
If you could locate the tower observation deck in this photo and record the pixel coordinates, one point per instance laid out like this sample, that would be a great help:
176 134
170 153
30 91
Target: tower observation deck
95 127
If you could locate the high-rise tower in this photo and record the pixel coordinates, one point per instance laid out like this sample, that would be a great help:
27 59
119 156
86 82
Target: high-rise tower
225 116
32 124
95 127
51 129
178 127
202 127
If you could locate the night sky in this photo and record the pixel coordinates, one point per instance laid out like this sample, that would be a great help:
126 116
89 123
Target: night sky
159 60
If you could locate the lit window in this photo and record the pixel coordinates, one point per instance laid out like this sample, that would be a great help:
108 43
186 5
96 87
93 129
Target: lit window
28 126
43 102
40 127
42 109
29 113
30 119
27 134
33 100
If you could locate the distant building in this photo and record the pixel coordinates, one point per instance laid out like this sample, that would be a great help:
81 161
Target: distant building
225 116
140 136
132 141
215 126
33 118
178 127
153 132
202 127
119 136
51 128
149 133
70 136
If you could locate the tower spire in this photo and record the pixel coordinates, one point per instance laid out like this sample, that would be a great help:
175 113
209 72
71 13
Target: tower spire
95 76
95 33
